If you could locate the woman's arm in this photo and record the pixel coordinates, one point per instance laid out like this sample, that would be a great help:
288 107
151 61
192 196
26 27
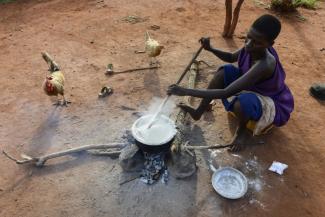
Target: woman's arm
255 74
229 57
226 56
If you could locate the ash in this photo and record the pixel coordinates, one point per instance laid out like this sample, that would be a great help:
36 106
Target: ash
154 168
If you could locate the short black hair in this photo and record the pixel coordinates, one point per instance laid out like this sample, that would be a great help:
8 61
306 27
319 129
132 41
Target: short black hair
268 25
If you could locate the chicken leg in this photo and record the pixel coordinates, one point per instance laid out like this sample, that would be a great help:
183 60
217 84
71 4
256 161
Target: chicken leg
62 102
65 102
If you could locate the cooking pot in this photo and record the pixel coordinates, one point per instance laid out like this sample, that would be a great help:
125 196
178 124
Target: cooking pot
156 139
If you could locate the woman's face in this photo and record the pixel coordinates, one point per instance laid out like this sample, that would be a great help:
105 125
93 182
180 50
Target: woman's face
255 42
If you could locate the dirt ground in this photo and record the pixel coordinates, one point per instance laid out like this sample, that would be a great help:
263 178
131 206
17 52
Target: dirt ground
84 36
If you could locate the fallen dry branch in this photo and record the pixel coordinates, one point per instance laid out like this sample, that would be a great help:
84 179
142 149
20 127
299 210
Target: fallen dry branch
104 152
217 146
40 161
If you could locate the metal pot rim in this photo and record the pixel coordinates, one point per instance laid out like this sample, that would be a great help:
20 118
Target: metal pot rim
166 140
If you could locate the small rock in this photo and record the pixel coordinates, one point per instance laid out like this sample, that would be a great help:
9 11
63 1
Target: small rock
182 165
180 9
154 27
131 158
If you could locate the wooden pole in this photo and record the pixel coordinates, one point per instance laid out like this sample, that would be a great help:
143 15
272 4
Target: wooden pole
228 19
235 19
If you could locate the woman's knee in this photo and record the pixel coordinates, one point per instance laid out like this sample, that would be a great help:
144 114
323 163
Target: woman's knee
249 106
237 108
219 74
217 81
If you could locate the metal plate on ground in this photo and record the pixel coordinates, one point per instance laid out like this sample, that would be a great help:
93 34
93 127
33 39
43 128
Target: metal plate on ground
229 183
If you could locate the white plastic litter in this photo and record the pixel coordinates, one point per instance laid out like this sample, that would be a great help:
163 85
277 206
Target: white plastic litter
278 167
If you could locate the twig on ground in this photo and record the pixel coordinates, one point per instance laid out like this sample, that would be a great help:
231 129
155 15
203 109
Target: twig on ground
139 51
112 72
205 63
129 180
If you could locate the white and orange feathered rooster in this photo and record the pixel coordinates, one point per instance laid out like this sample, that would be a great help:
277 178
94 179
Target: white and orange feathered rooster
53 84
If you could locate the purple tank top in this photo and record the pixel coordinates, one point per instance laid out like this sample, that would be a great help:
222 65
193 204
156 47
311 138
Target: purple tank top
273 87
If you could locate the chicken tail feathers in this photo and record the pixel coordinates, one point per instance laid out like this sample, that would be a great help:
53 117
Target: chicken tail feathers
147 36
53 66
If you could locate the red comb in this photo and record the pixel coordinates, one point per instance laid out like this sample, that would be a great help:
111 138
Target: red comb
49 86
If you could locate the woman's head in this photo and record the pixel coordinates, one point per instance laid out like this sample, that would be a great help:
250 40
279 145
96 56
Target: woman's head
262 33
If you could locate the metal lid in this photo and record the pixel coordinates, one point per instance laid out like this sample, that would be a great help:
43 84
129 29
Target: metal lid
229 183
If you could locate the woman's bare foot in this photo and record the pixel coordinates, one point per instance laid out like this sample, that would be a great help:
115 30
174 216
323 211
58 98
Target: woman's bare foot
193 113
239 140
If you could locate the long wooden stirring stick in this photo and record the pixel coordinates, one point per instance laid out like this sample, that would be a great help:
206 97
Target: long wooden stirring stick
179 81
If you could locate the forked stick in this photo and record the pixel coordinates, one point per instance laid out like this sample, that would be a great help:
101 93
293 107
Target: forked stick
39 161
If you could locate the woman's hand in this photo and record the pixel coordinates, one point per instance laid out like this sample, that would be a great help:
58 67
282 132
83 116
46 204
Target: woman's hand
205 42
174 89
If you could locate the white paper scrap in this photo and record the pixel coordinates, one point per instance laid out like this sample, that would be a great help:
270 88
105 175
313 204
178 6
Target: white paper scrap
278 167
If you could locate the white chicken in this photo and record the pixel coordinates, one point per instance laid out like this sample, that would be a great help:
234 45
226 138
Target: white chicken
152 48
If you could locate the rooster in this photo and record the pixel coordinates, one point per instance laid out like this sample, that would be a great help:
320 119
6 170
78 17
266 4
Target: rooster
53 84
